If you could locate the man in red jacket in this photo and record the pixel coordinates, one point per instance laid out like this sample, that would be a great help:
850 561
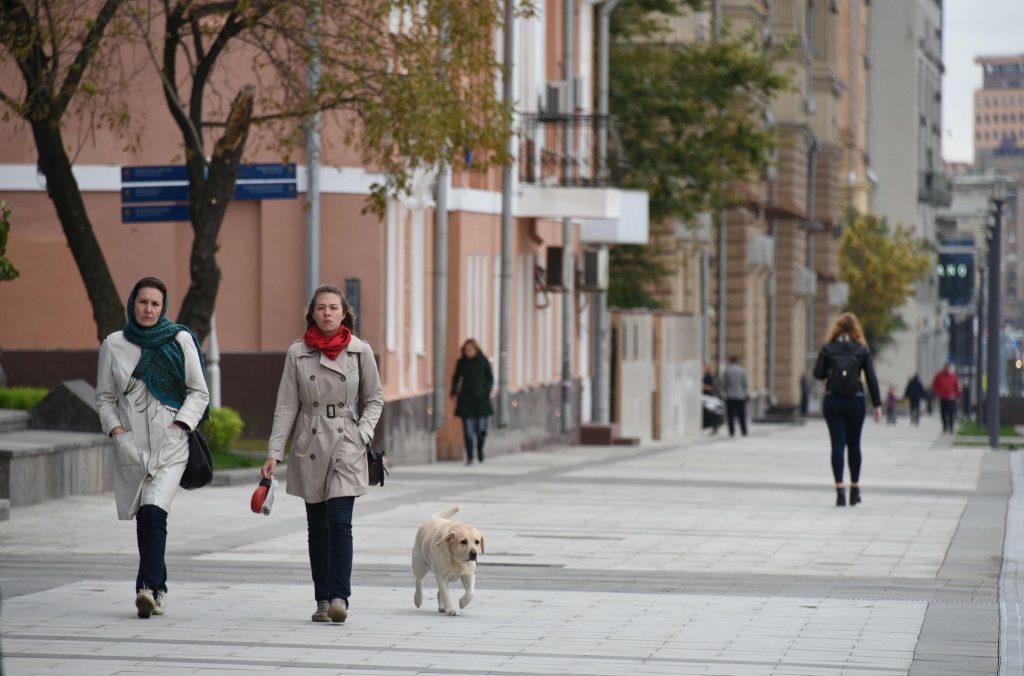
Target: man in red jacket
946 387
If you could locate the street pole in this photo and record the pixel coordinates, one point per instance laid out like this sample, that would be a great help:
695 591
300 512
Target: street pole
313 160
979 325
505 291
994 316
568 306
444 179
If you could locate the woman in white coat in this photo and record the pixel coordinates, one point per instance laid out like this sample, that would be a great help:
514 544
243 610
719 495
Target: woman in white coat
328 403
150 392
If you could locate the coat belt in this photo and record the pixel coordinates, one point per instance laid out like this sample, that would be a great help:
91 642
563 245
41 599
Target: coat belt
331 411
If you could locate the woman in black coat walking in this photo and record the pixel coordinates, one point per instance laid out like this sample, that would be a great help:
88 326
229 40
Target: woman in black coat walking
471 388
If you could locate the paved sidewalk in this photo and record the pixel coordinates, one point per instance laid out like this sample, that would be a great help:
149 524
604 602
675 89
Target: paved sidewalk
726 556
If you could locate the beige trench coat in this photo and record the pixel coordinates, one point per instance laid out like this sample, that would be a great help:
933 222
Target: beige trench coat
150 457
317 407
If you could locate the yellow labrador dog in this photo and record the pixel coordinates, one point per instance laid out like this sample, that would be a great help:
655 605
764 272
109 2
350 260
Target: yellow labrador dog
449 549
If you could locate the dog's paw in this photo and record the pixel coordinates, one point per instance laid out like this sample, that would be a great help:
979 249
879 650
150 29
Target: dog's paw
417 598
451 612
464 601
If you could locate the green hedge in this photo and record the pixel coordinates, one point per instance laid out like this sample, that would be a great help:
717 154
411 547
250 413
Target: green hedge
222 429
21 398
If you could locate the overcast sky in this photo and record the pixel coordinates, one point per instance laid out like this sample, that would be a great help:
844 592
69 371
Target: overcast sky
972 28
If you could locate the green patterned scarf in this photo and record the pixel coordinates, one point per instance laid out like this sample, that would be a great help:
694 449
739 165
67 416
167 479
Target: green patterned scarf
162 364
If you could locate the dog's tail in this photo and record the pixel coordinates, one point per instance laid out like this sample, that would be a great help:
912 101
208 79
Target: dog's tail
448 512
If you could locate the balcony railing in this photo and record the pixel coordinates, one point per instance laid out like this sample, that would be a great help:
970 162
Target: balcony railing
542 146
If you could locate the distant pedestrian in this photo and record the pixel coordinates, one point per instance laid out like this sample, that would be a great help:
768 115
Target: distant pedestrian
708 381
150 392
914 393
734 388
471 388
805 393
890 406
328 404
946 387
841 361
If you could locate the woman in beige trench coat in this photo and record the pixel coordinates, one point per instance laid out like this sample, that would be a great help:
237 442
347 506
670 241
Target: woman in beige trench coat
150 391
328 404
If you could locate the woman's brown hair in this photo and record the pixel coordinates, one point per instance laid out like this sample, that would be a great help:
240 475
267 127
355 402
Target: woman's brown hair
348 319
848 324
476 346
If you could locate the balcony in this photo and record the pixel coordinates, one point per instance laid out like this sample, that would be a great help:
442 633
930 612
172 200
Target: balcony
555 184
543 160
934 189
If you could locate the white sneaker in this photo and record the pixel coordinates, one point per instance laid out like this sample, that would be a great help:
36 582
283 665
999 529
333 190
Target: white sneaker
145 603
161 602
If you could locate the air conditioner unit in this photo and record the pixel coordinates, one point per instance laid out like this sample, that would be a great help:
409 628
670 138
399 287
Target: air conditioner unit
557 270
556 99
594 273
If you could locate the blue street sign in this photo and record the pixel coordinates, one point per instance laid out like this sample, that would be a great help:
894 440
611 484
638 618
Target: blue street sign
266 171
264 191
154 193
156 213
173 172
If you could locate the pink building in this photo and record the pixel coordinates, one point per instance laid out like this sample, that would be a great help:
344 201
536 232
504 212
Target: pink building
47 333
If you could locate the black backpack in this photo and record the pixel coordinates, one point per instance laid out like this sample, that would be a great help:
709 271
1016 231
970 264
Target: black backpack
844 374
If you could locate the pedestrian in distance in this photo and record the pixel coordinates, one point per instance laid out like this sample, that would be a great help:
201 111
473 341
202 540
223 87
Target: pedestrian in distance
471 390
946 387
328 404
914 393
150 393
890 406
842 360
708 389
734 387
805 393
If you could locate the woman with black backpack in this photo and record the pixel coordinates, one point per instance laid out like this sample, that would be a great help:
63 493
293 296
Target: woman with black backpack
841 361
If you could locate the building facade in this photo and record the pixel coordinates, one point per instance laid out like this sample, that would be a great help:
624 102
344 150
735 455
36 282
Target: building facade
905 150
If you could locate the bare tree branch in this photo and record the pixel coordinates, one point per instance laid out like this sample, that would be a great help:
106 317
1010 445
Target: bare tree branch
89 46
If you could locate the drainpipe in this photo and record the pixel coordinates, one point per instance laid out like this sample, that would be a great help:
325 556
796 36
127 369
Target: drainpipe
602 367
444 179
313 160
213 363
720 220
812 187
505 291
568 309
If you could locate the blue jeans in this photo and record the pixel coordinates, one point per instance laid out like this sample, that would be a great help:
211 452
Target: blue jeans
474 429
151 534
330 547
845 419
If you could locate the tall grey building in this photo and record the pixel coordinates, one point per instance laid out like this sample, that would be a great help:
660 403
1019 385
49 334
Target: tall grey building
905 148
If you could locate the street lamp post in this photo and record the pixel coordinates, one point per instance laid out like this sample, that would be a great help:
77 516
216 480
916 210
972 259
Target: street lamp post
994 316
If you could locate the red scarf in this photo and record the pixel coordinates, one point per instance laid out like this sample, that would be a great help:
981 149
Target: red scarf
331 347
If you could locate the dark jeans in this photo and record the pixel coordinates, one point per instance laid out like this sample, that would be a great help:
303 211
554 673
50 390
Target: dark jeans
915 411
948 415
474 429
151 534
736 408
330 547
845 419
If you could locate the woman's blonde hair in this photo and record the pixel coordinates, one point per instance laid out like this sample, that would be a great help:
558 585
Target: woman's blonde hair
848 324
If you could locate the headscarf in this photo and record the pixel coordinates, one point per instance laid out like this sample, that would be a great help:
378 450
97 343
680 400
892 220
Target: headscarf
162 364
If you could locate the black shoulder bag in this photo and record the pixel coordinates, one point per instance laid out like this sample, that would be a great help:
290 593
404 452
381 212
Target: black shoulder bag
199 469
375 468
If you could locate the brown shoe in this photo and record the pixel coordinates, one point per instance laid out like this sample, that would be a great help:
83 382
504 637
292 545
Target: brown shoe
338 610
321 612
145 603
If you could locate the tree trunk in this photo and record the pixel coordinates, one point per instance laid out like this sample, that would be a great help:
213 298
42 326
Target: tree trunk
210 197
107 309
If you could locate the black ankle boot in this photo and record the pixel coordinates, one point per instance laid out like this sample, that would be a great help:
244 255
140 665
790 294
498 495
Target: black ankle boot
840 497
854 495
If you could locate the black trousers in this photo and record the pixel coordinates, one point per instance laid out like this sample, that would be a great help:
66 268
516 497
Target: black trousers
330 547
151 534
948 415
736 408
845 419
